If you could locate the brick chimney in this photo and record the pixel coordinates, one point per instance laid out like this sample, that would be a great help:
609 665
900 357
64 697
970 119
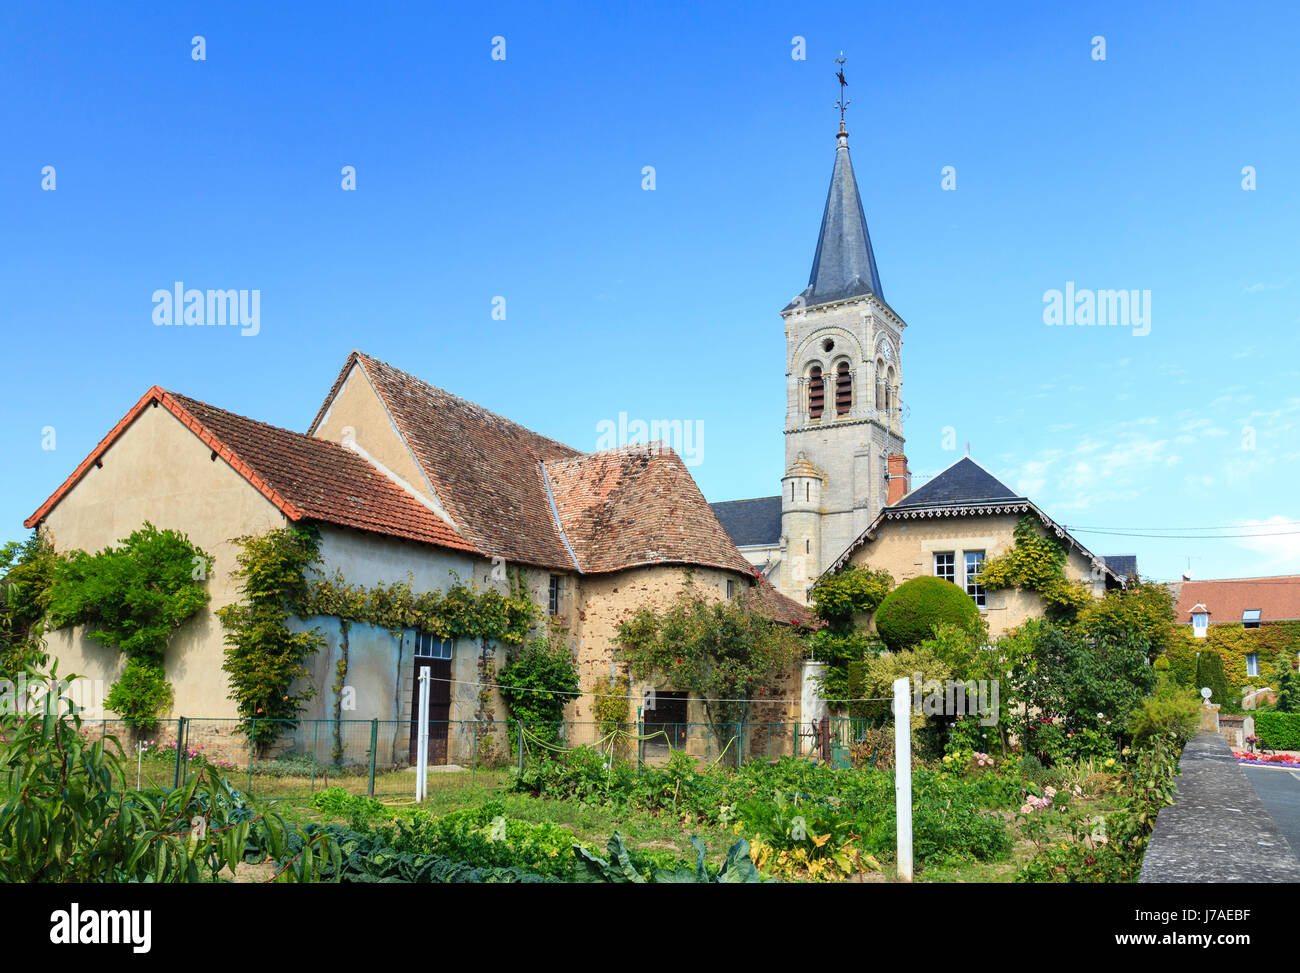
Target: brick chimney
900 478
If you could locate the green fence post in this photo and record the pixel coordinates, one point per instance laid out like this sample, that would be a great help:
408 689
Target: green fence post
519 743
252 744
374 749
640 744
315 740
180 731
473 757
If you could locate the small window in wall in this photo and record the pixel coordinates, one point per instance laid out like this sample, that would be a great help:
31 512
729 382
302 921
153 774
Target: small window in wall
1252 663
945 566
1250 618
431 647
553 595
974 565
731 589
816 393
1200 623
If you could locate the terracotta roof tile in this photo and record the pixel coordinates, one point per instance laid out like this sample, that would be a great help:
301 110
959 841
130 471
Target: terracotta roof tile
637 505
486 470
305 478
1277 598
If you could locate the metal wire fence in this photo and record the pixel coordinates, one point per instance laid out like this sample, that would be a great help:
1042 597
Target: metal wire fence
297 759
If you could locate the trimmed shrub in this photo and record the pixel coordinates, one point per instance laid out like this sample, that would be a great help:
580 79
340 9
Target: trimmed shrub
1209 673
909 614
1278 731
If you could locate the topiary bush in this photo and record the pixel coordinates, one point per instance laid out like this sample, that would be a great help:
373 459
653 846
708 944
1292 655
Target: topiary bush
909 613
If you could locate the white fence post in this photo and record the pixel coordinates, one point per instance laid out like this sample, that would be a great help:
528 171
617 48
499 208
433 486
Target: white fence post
422 741
903 774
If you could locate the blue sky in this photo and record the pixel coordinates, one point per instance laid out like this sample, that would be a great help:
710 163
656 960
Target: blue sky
522 178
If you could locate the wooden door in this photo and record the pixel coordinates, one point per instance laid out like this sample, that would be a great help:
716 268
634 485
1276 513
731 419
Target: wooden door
439 708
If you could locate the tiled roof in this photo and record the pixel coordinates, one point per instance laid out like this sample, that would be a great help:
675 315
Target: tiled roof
305 478
486 470
750 522
965 481
637 505
779 607
1277 598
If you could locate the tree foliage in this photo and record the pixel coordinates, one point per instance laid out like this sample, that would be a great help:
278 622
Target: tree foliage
727 653
1143 606
26 574
838 598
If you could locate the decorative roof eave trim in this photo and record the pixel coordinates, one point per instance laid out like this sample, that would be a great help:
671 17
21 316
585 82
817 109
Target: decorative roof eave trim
161 396
977 509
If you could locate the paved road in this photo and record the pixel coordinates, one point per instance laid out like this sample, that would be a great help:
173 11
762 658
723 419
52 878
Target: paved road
1279 792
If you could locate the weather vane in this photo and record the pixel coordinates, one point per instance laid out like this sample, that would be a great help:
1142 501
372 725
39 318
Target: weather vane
843 103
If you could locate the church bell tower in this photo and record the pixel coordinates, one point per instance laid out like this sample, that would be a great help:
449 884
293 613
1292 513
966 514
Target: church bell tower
844 414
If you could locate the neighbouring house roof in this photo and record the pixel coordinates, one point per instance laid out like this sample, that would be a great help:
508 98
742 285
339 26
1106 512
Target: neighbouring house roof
485 469
751 523
844 265
306 478
1125 565
1277 598
966 489
637 505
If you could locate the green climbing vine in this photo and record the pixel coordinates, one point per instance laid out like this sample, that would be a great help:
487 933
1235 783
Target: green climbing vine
1036 563
133 597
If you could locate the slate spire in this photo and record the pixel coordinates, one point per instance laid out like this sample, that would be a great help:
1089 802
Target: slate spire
845 265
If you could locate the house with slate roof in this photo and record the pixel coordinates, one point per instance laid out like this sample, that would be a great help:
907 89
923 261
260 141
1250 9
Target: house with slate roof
951 524
403 480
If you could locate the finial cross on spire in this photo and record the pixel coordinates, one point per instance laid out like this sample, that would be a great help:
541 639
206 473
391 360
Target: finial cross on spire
843 103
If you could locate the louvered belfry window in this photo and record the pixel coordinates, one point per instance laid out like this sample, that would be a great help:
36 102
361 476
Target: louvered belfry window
843 389
816 392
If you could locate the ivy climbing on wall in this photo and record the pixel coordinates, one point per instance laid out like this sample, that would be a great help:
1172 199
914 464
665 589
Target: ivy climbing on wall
1036 563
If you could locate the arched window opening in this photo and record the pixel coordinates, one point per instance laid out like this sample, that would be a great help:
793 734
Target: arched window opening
843 389
816 392
880 384
891 393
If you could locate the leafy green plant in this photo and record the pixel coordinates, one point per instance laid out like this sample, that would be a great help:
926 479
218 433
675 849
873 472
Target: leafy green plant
910 613
264 657
1036 563
70 816
1278 731
727 653
619 867
26 574
537 682
484 837
132 598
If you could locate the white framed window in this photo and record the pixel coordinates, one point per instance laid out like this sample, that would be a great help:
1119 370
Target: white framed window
945 566
1200 624
1250 618
731 589
553 594
1252 663
974 565
431 647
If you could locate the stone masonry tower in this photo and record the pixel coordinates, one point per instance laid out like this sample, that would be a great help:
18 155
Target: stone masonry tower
844 416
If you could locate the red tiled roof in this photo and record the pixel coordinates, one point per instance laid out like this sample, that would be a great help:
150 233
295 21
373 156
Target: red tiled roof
637 505
1276 598
780 607
486 470
306 478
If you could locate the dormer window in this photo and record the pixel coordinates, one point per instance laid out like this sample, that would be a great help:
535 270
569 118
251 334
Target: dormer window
816 393
1250 618
1200 622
